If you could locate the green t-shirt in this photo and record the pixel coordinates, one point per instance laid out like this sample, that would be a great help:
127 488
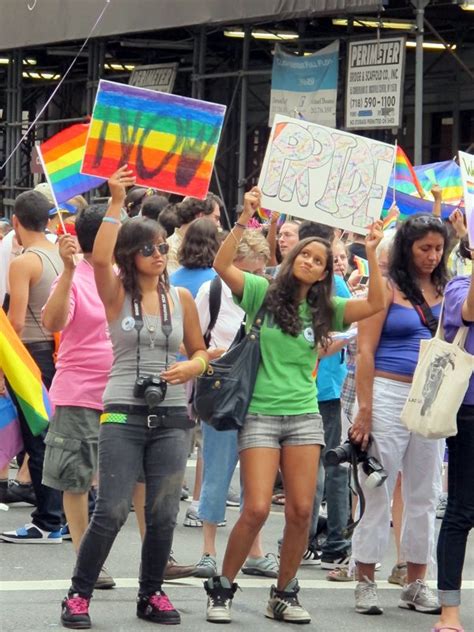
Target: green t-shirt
285 382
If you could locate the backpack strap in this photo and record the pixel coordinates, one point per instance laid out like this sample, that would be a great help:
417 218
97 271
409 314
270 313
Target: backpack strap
427 317
215 293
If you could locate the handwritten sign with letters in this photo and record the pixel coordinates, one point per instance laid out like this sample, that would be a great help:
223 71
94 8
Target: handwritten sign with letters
325 175
170 142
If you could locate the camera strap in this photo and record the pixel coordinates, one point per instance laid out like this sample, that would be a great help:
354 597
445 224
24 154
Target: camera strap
166 322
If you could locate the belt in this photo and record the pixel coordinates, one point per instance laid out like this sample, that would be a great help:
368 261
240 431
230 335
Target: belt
165 416
40 346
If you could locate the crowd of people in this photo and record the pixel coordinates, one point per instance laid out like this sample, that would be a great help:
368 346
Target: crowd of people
123 305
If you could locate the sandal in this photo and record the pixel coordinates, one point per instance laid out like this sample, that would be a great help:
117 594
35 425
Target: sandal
342 574
278 499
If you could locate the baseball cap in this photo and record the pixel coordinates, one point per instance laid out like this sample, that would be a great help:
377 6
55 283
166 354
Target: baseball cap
64 207
45 189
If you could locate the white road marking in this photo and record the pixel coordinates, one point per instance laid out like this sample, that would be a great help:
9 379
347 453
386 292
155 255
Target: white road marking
195 582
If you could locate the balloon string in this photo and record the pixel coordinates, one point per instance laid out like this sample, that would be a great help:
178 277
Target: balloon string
22 139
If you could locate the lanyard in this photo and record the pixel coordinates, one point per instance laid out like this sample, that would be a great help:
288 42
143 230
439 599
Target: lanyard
166 323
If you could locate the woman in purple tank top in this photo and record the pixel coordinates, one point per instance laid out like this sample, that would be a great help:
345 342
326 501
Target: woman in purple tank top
388 348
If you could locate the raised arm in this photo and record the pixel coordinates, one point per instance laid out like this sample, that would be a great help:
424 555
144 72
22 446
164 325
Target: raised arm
108 284
468 305
359 308
56 311
437 192
224 261
272 238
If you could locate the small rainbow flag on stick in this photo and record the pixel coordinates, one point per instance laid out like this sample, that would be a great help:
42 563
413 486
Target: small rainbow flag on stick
391 219
362 266
24 378
61 156
170 142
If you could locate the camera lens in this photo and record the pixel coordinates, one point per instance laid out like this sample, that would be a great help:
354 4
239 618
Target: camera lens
154 395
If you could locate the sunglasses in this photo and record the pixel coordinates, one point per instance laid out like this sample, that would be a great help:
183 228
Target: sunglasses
149 249
428 219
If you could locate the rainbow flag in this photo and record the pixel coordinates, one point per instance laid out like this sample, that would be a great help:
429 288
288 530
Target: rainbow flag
405 176
170 142
391 219
10 434
470 187
362 265
24 378
61 157
265 215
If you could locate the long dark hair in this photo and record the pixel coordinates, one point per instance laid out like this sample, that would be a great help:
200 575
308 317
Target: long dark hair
133 235
282 296
200 244
401 268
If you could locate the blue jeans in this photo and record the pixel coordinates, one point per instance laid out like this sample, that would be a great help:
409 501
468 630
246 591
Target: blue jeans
459 517
333 482
220 456
125 450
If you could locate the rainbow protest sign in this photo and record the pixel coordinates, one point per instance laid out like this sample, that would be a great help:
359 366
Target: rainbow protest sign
61 157
170 142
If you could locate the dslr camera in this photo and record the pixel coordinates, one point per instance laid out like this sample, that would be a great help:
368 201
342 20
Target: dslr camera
152 389
352 453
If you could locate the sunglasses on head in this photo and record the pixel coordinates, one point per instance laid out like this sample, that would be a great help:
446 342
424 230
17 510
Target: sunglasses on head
149 249
428 219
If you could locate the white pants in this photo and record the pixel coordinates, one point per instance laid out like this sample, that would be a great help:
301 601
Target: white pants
419 460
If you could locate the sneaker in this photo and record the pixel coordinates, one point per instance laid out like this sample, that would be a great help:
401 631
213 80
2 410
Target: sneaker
31 534
105 581
75 612
192 519
266 566
311 557
207 566
398 575
174 570
328 563
367 601
184 493
158 609
417 596
220 593
283 605
13 492
65 533
441 508
233 499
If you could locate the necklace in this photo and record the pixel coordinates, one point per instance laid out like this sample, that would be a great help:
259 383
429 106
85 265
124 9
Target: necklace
151 322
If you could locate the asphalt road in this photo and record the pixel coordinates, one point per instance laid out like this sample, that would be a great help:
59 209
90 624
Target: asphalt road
34 579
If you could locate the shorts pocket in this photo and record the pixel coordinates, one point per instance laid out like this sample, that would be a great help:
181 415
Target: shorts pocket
61 456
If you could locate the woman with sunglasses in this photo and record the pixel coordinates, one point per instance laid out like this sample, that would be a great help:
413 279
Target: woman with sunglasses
388 347
144 425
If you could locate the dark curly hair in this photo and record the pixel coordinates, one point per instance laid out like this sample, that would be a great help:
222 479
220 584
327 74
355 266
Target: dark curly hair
282 296
133 235
200 244
401 268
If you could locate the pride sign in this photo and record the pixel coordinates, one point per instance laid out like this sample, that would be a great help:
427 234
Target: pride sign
170 142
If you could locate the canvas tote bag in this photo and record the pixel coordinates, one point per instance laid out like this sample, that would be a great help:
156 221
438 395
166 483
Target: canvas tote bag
439 385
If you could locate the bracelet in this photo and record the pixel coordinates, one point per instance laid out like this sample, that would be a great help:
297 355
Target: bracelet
204 364
111 220
240 225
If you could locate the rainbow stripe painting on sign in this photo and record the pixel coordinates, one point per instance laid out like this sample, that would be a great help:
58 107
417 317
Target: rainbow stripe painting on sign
168 141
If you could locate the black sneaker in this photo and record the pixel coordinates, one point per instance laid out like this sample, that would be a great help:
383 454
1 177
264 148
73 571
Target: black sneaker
220 593
311 557
158 609
13 492
75 612
283 605
330 563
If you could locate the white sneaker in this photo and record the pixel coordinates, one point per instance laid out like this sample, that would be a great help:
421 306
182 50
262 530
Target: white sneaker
366 598
417 596
220 593
192 519
283 605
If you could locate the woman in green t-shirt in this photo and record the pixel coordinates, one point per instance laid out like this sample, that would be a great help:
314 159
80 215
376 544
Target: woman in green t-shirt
283 428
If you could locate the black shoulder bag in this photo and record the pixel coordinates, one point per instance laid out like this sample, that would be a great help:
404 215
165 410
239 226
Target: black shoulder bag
223 393
428 319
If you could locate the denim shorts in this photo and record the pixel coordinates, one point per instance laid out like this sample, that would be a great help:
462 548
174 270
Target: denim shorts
276 431
70 459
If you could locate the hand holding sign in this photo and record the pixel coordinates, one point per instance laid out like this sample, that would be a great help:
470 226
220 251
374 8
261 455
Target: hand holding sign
252 201
457 220
118 182
374 237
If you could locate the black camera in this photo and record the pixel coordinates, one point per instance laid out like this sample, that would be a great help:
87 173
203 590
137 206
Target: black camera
152 389
352 453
